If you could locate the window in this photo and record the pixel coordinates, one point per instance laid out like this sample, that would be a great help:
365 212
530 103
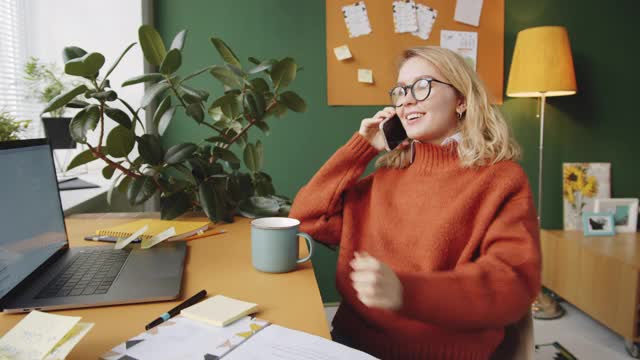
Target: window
14 93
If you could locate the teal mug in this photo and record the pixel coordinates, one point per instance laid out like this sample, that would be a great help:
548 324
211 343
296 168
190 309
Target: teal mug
275 245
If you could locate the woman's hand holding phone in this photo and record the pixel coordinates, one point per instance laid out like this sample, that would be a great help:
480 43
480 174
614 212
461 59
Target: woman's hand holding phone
370 128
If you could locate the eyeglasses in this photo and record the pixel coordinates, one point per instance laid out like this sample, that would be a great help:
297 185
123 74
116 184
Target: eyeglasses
420 89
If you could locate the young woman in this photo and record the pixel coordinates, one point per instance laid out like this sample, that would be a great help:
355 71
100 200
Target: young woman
439 247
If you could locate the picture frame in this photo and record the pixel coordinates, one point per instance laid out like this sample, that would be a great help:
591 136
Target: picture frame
598 224
624 211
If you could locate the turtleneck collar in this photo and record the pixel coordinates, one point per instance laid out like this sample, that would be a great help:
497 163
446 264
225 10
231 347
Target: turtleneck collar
429 157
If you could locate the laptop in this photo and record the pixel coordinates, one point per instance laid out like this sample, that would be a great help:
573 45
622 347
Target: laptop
38 270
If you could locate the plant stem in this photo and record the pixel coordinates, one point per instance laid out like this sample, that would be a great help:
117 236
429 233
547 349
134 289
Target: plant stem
102 156
251 123
216 129
175 91
101 126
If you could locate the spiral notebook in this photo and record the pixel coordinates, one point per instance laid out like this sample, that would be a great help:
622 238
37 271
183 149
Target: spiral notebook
184 228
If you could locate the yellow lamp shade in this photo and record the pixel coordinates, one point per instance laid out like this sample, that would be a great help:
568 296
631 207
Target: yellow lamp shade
542 64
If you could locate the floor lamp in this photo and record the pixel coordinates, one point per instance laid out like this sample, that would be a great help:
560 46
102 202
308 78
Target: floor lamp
542 67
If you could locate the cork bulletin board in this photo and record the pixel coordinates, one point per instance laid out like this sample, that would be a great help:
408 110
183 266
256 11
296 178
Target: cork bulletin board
380 50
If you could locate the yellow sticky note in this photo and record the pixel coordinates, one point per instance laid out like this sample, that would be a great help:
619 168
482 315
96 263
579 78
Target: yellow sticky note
342 52
365 76
36 335
64 347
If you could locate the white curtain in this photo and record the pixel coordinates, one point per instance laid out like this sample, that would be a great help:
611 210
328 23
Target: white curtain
14 93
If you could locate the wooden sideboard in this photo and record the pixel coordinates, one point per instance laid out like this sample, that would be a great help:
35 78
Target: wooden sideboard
599 275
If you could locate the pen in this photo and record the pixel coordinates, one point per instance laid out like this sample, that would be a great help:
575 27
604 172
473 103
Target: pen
176 310
105 238
205 234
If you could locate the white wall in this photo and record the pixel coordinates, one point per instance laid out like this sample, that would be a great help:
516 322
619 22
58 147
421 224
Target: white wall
107 27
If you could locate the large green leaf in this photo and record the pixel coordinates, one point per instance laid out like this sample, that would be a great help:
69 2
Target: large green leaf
254 105
140 190
62 99
178 40
262 125
119 116
108 95
123 186
260 85
283 73
143 78
165 120
293 101
251 157
179 153
120 141
162 108
81 159
84 121
263 185
212 195
150 148
265 65
194 95
230 104
107 171
86 66
171 62
72 52
259 154
153 91
152 45
227 54
174 205
226 76
194 74
196 112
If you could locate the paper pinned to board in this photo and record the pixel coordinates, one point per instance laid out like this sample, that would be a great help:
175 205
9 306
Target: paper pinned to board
147 243
121 243
36 335
342 52
468 12
356 19
365 76
426 18
464 43
404 16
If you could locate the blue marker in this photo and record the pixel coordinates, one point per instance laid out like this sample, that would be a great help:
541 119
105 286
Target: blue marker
176 310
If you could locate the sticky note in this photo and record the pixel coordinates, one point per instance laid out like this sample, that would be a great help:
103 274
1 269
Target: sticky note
342 52
67 344
36 335
121 243
158 238
219 310
365 76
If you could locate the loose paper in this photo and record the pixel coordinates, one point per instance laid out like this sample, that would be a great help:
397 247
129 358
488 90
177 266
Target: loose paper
365 76
276 343
357 20
468 12
121 243
464 43
35 335
67 344
404 16
342 52
147 243
426 18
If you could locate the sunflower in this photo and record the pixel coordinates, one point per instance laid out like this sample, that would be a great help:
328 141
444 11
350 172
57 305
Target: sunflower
590 189
574 176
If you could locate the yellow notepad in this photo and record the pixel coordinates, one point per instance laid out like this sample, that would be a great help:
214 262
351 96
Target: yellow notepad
184 228
219 310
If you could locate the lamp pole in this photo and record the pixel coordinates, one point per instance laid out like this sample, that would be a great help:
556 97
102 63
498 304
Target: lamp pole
543 100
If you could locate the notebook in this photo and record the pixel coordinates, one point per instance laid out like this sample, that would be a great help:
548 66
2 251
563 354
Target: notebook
183 228
219 310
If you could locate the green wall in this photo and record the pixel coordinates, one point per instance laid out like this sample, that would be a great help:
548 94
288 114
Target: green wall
597 125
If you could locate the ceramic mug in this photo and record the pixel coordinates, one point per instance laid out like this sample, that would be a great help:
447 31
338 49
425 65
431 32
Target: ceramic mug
275 245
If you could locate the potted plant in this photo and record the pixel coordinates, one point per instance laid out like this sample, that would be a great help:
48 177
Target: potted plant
10 128
46 81
187 176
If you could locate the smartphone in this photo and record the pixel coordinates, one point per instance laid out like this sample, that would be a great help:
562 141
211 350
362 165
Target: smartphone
393 132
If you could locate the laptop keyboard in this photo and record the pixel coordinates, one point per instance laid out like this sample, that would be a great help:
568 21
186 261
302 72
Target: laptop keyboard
88 272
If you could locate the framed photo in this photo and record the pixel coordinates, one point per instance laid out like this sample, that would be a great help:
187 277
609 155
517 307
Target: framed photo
598 224
582 184
624 211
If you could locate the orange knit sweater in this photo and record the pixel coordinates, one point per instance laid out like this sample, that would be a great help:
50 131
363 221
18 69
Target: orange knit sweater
463 242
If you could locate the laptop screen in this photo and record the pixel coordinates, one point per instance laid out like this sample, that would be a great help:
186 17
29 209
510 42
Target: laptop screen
31 219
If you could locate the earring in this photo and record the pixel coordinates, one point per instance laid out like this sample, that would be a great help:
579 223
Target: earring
459 115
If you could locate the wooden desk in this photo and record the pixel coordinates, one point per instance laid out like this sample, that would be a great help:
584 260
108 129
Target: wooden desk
220 264
599 275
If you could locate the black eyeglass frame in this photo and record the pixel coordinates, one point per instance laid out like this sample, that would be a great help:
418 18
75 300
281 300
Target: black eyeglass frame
405 88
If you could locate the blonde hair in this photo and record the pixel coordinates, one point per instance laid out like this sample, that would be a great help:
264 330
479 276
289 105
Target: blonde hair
486 137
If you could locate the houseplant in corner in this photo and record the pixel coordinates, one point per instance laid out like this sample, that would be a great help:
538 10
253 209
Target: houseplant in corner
187 176
10 128
46 81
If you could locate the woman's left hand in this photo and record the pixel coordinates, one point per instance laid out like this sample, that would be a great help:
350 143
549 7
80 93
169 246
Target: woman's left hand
376 284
